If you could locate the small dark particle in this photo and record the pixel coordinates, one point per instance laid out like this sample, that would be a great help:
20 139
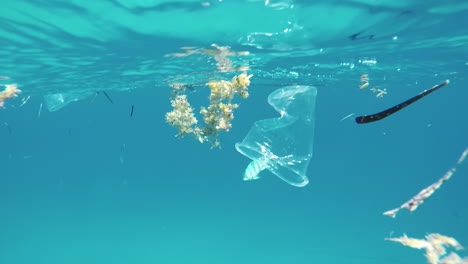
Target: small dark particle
358 36
131 112
108 97
398 107
354 36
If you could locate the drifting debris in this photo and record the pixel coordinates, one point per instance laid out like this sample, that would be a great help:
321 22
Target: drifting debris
380 92
417 200
453 258
346 117
411 242
10 91
462 157
24 101
398 107
436 248
364 81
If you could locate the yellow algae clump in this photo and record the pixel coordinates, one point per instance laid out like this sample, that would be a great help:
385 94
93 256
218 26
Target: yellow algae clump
182 115
10 91
216 117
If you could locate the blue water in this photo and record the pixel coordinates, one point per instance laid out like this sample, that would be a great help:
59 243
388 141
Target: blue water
85 182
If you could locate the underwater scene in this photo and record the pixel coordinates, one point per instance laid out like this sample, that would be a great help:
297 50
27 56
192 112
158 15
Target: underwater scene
233 131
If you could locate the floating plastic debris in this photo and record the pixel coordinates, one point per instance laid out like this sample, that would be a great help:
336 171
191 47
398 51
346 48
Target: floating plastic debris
55 102
283 145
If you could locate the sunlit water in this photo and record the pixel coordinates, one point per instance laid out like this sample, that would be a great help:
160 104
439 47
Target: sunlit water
90 178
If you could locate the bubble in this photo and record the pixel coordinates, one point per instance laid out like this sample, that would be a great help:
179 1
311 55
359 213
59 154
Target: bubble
283 145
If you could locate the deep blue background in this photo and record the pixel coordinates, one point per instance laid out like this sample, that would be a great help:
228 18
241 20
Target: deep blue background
67 198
